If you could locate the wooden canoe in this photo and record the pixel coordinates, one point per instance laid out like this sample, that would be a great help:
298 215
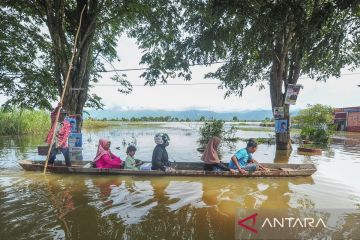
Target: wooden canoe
181 169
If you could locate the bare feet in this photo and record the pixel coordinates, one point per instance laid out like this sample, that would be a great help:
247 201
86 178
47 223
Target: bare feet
262 168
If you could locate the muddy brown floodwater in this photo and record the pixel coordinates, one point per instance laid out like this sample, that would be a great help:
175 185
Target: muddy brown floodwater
56 206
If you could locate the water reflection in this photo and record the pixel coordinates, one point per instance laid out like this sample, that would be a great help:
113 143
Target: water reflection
282 156
115 207
183 194
26 210
13 148
112 207
131 201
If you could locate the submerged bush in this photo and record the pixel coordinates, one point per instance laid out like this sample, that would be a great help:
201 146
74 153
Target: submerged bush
209 130
216 129
17 122
316 123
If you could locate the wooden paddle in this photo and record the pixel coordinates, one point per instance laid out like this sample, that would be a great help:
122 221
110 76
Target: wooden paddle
63 93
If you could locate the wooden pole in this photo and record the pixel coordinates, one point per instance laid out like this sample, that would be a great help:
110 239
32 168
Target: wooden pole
64 90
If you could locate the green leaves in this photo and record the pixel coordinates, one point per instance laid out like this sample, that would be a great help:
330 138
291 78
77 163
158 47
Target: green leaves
316 123
257 41
209 130
25 72
36 39
315 38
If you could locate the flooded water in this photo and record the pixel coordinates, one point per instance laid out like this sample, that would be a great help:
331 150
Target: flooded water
59 206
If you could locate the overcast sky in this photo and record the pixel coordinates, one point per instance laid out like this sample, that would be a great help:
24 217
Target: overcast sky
335 92
340 92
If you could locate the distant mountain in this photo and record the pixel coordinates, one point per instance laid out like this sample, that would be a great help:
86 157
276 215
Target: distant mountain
259 114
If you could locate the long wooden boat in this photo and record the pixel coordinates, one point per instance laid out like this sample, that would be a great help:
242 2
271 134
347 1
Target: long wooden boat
180 169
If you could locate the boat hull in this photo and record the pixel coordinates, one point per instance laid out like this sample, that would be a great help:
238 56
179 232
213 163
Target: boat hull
181 169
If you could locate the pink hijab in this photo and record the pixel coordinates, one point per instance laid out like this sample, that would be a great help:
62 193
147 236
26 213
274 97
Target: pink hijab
101 151
210 155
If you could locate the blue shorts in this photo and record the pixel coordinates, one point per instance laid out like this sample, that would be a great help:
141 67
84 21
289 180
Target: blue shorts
249 167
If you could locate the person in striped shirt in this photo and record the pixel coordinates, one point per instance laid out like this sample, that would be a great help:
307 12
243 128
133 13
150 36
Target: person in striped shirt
62 133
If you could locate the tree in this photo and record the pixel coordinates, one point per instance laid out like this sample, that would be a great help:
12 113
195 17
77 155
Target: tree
257 42
36 41
202 119
235 119
316 123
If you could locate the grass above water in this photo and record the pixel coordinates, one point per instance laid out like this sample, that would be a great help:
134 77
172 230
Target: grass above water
99 124
255 129
19 122
264 129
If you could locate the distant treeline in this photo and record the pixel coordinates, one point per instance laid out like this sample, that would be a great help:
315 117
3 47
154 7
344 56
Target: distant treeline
166 119
17 122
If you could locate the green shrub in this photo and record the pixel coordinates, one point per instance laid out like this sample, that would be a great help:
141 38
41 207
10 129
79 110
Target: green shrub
209 130
316 123
216 129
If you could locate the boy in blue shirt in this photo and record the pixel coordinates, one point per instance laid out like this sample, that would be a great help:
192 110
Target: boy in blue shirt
243 159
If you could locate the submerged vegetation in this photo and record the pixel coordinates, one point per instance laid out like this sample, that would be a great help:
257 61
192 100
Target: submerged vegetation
18 122
262 140
98 124
316 123
216 129
209 130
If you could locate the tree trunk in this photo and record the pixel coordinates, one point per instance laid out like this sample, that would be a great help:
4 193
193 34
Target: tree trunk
278 71
77 89
76 93
283 141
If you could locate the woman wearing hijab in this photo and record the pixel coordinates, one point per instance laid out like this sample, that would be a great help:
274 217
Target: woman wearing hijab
105 158
211 157
160 158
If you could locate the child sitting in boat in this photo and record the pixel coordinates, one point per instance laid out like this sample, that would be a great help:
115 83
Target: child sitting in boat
243 159
131 163
105 158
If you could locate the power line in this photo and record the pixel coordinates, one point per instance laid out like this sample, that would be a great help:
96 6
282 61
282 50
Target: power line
342 74
146 68
143 85
125 70
188 84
